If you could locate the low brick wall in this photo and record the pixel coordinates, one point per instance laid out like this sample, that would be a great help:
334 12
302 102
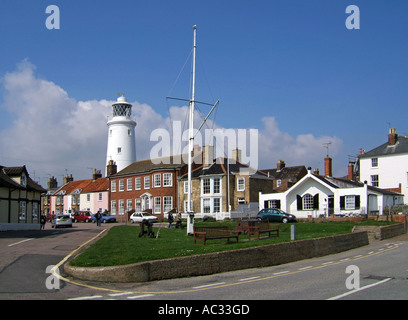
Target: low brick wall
205 264
381 232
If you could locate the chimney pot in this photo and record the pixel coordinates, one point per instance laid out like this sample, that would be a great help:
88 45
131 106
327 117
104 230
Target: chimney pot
392 137
280 165
328 170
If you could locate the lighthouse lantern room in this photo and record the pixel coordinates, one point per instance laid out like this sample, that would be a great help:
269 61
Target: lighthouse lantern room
121 135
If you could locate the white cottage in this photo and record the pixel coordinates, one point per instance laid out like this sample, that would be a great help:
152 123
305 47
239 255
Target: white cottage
315 196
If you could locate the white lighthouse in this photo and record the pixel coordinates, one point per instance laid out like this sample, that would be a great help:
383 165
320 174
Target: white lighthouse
121 135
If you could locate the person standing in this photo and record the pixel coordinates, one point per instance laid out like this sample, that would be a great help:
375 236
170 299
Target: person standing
98 217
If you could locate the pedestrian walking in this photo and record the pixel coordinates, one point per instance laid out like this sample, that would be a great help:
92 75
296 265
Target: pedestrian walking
43 220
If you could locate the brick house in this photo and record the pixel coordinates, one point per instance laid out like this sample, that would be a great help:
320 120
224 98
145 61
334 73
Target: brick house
147 185
285 177
220 186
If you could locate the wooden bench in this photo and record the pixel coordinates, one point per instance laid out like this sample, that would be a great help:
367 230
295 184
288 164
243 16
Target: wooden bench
213 232
259 227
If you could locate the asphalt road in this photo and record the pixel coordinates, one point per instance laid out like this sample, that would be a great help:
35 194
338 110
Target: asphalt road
377 272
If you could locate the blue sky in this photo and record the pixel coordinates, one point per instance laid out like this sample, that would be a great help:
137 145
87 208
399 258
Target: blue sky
289 68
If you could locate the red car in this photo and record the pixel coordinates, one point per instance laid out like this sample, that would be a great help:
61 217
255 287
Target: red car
82 216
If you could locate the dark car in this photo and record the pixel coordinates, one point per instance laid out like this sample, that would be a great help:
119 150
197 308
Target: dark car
275 215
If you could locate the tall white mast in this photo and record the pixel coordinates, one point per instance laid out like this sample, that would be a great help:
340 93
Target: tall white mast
191 123
190 219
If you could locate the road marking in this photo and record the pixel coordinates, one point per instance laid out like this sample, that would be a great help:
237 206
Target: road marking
247 279
14 244
120 294
360 289
346 259
141 296
330 262
86 298
209 285
305 268
278 273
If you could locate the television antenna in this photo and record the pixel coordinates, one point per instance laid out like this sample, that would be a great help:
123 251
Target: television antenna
327 146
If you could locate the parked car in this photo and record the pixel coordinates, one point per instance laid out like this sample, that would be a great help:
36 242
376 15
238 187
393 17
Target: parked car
142 216
61 220
105 218
275 215
82 216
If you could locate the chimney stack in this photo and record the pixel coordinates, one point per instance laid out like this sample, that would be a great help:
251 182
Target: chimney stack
392 137
208 155
236 155
52 183
350 175
67 179
96 174
328 170
280 165
111 168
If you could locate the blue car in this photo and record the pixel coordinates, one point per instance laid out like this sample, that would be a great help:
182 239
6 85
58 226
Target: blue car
275 215
105 218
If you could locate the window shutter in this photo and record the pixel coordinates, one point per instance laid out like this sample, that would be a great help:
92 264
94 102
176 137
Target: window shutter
266 204
342 203
357 202
299 202
316 202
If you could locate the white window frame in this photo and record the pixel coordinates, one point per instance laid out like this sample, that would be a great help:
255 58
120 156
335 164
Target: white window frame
129 184
167 179
146 183
113 206
121 185
350 202
121 206
240 184
167 203
157 180
308 202
138 183
113 186
157 205
129 204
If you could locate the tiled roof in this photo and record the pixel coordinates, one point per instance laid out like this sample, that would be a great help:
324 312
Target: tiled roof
6 179
220 167
98 185
71 186
286 172
385 149
339 183
143 166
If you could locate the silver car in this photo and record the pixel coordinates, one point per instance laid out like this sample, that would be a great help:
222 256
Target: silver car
62 220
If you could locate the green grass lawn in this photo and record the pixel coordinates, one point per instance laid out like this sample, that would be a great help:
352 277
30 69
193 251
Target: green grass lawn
122 245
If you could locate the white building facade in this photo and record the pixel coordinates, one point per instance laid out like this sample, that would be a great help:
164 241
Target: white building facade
316 196
121 135
386 166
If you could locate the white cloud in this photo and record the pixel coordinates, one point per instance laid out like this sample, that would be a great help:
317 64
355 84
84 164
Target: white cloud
52 132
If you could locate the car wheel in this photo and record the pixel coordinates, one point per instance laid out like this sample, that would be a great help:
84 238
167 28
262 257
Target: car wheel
285 220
